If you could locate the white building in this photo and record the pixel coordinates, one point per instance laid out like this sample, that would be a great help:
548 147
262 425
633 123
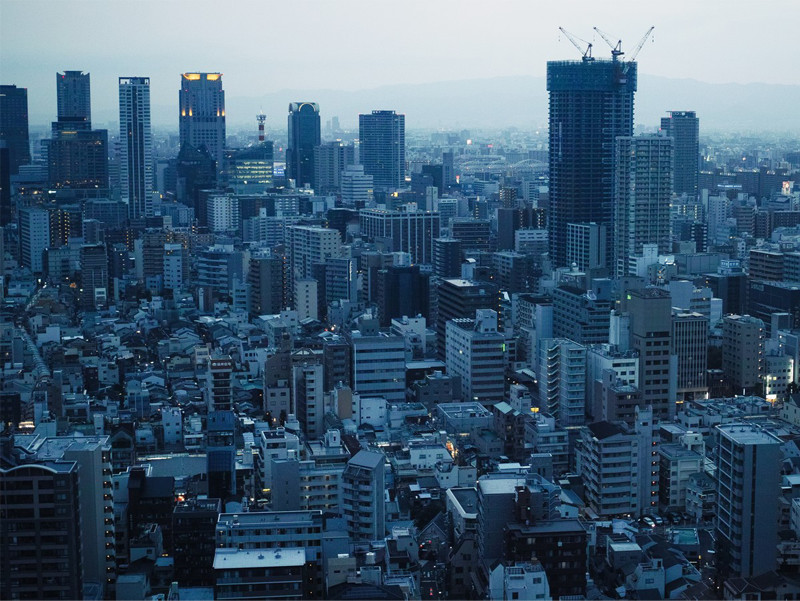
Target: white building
136 150
356 186
222 212
475 351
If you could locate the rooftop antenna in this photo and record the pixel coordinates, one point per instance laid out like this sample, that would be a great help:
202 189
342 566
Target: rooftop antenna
261 118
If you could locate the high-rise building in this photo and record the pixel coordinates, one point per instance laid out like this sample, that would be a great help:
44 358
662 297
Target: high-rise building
330 160
407 230
748 487
304 137
202 113
690 345
41 535
562 375
461 298
650 333
73 94
382 150
34 237
221 454
356 186
591 103
362 496
684 128
475 352
446 257
267 285
309 395
94 276
642 195
250 170
743 339
586 245
136 146
378 362
14 126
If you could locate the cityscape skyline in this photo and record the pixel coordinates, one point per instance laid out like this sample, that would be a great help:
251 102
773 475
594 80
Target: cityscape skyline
252 72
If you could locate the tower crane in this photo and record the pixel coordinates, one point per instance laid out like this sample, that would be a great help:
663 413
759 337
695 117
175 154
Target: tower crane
587 54
616 50
638 47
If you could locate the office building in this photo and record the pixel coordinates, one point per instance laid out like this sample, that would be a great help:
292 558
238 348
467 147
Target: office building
34 237
684 128
41 539
176 266
309 395
474 234
748 487
586 246
94 276
475 352
136 146
591 104
743 340
6 210
221 453
194 525
266 279
362 496
402 290
78 159
642 196
304 137
461 298
331 159
583 315
251 170
447 257
201 122
356 187
14 126
382 149
405 230
650 311
309 245
379 368
73 95
690 346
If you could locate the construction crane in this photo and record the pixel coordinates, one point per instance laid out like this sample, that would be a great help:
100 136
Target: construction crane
616 49
587 54
636 50
641 43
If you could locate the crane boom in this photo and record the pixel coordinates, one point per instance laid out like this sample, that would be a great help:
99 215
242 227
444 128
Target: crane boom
616 50
587 54
641 43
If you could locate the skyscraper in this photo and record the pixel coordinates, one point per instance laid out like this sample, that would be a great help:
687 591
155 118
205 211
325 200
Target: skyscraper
642 194
304 136
202 113
74 99
14 126
748 477
591 103
136 146
382 136
684 128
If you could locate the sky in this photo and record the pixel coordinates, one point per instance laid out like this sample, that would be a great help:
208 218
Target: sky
268 45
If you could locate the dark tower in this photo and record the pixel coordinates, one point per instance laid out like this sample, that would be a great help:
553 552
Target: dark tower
73 93
591 103
382 136
14 126
684 128
304 136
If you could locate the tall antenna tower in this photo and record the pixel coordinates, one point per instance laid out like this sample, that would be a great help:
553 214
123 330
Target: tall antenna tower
261 118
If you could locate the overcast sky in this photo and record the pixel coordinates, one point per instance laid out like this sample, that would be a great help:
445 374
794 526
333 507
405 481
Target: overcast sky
270 45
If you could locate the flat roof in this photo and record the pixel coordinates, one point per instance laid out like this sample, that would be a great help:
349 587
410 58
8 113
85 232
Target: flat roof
225 559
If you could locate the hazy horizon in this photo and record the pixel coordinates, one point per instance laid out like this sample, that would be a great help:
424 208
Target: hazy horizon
268 49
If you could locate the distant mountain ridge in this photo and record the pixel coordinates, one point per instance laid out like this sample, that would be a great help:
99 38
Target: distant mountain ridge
517 101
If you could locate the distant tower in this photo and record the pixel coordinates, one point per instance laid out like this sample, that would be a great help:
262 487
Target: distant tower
202 113
382 139
684 128
261 118
591 103
136 146
14 126
74 99
304 136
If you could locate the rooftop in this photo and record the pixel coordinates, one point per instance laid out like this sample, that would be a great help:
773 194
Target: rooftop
258 558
